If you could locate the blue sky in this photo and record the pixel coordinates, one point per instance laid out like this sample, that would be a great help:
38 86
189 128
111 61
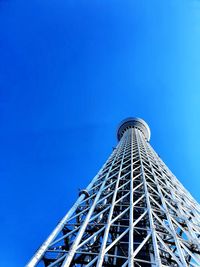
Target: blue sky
70 71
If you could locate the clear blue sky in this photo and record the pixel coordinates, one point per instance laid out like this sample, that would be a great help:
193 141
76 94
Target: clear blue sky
70 71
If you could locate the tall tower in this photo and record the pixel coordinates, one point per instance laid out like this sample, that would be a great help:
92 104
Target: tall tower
133 213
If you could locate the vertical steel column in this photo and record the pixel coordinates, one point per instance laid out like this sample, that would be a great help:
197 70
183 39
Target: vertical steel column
105 237
152 226
72 251
38 255
131 218
40 252
190 234
183 262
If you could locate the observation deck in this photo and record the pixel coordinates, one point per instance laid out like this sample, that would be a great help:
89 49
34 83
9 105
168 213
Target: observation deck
133 123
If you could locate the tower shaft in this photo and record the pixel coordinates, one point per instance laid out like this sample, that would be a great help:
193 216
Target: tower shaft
133 213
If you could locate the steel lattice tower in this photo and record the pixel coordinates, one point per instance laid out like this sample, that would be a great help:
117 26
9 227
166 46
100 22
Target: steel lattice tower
134 213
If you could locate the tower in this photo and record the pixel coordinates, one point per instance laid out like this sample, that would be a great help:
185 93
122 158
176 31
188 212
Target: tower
133 213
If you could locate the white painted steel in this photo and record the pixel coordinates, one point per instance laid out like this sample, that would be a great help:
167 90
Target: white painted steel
135 212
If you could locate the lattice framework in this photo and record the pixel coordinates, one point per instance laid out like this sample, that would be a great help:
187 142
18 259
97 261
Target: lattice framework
134 213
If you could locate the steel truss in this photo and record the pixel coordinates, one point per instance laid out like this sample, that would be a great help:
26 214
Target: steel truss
134 213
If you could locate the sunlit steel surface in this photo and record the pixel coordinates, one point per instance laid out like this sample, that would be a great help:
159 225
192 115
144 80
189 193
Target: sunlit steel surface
134 213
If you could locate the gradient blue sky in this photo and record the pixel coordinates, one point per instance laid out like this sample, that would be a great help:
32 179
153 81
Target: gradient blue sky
70 71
